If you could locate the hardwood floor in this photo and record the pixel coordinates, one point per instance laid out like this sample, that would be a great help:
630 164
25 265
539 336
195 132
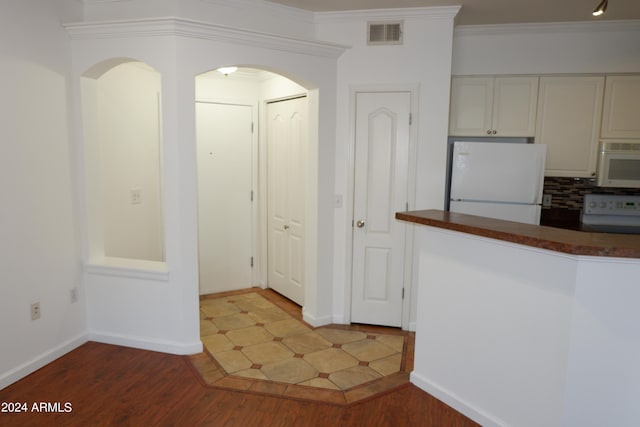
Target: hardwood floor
108 385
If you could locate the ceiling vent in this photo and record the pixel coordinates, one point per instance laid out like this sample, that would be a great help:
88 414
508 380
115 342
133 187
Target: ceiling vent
384 33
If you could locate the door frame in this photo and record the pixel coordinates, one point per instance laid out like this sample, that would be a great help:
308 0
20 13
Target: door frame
255 153
414 90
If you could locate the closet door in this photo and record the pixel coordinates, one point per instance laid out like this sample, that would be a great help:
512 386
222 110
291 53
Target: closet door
286 158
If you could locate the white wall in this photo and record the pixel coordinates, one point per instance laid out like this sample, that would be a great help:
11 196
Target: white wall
39 251
591 47
494 327
423 61
511 335
603 375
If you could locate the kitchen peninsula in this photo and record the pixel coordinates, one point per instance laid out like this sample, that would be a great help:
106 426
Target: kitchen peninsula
524 325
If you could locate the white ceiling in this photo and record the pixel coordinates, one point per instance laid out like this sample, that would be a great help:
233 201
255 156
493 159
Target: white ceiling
479 12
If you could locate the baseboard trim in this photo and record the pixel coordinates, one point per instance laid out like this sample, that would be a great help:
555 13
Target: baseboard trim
163 346
44 359
316 322
457 403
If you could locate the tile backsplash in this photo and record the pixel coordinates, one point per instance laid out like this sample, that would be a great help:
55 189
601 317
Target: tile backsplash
567 193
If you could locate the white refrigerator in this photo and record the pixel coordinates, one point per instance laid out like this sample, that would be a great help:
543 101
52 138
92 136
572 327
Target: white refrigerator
498 180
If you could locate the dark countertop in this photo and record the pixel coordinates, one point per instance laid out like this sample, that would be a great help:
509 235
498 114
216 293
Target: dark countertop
551 238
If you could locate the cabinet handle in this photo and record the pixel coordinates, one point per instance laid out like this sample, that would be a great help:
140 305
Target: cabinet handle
494 132
488 132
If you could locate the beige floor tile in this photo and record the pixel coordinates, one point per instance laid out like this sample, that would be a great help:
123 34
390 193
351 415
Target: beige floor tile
352 377
269 316
233 361
396 342
249 336
388 365
330 360
279 370
320 383
339 336
218 308
287 328
217 343
234 321
251 373
306 343
254 305
291 371
368 350
267 352
207 328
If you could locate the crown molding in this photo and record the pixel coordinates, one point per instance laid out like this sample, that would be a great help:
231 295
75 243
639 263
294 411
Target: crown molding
178 27
549 27
420 13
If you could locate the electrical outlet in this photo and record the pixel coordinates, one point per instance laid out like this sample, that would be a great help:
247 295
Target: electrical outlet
546 200
73 294
35 310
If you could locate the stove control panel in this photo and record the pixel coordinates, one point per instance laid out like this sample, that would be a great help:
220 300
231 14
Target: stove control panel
604 204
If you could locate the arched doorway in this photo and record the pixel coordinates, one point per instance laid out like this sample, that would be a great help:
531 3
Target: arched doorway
251 147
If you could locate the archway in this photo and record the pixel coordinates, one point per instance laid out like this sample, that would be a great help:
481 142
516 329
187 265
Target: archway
236 238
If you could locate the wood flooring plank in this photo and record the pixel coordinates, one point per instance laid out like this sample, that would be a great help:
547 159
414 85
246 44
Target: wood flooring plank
116 386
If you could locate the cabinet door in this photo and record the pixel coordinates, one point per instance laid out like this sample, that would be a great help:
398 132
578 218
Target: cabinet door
488 106
514 106
471 105
569 111
621 117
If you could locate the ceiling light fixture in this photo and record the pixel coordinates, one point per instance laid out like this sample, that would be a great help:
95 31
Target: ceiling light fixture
228 70
602 7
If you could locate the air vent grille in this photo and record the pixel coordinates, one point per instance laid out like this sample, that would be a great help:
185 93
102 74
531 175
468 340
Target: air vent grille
621 146
384 33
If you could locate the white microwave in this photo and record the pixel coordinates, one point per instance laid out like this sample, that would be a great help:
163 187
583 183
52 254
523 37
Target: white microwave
619 164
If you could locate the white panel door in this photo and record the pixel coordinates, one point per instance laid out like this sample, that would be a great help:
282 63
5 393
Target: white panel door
286 157
380 190
225 232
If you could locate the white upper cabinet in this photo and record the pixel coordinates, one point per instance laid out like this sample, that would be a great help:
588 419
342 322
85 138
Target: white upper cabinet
621 117
569 111
493 106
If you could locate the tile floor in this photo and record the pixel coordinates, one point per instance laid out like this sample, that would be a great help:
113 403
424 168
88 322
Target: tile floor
255 340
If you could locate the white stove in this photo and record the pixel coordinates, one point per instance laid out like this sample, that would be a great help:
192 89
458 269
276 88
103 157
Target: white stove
611 214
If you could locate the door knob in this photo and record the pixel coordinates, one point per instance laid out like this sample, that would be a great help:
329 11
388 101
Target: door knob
360 223
286 227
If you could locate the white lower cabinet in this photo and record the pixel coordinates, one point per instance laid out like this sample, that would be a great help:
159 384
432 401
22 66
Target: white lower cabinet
568 122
